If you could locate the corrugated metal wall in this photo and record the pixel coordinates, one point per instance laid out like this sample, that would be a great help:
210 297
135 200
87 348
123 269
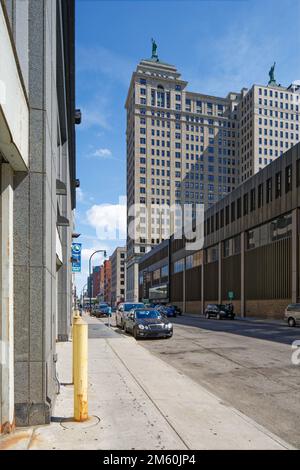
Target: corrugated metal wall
268 271
193 284
231 276
211 280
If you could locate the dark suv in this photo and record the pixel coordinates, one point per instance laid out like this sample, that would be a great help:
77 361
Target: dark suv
219 311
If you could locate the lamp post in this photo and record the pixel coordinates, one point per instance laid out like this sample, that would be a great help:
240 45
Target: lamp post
82 294
90 286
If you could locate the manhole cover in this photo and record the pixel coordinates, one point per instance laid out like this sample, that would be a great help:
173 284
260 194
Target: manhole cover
89 423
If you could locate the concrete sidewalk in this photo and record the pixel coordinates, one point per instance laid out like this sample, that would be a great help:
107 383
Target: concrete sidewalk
137 401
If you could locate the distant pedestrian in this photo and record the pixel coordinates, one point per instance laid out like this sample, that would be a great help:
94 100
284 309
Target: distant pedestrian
109 314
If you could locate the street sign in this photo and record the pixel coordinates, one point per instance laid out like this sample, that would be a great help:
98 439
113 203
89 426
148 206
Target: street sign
230 295
76 257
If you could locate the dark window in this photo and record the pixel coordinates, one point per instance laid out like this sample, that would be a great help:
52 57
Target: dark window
217 221
298 172
269 190
260 196
245 204
222 218
227 215
238 208
233 211
278 185
212 224
252 200
288 178
208 226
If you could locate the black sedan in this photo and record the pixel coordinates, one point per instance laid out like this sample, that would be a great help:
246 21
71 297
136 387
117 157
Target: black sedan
219 311
148 323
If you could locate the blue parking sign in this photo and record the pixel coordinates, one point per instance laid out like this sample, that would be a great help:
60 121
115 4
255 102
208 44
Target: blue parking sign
76 257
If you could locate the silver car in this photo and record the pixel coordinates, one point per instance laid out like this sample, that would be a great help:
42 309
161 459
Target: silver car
292 314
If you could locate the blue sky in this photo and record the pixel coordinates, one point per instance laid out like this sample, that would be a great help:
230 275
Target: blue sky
218 46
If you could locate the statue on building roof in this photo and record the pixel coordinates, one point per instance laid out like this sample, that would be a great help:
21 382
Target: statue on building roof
154 50
272 80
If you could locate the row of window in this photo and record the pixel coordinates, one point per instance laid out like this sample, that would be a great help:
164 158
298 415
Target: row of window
256 198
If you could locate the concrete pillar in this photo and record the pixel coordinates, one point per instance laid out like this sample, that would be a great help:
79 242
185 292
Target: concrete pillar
295 257
6 301
243 312
220 274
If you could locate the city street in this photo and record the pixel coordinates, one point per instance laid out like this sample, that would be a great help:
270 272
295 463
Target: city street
246 364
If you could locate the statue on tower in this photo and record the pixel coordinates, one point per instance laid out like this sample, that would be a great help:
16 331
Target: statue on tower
272 80
154 50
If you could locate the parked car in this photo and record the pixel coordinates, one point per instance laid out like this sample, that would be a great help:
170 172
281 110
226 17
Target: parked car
124 309
177 310
102 310
219 311
168 311
292 314
146 323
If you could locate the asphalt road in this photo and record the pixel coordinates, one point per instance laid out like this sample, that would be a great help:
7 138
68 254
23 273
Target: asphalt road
248 365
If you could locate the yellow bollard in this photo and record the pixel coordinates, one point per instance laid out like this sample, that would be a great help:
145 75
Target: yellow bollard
80 368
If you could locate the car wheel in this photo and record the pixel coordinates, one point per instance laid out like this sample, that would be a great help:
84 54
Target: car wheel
291 322
135 334
218 316
207 316
123 326
232 318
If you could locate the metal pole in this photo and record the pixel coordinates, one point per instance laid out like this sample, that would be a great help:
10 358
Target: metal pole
80 368
90 290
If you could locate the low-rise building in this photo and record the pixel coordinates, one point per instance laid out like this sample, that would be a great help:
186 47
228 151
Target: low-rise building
250 252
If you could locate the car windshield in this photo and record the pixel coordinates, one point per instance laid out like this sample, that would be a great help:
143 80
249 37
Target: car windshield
103 305
141 314
128 307
223 307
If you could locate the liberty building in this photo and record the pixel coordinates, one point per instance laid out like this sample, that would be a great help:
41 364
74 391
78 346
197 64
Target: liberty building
186 147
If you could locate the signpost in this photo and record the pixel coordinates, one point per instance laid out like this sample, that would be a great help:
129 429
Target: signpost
76 257
230 295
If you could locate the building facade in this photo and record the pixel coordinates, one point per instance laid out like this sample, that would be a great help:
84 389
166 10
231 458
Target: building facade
107 281
268 125
38 181
96 281
118 275
250 252
186 147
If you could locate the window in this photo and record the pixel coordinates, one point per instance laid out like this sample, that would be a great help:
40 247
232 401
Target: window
233 211
213 254
278 185
245 204
252 200
269 190
298 172
238 208
227 215
288 178
260 196
178 266
222 218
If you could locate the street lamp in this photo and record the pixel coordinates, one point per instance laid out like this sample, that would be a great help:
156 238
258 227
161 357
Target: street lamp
82 294
90 286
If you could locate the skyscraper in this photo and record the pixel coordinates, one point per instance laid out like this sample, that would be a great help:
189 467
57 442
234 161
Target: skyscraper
186 147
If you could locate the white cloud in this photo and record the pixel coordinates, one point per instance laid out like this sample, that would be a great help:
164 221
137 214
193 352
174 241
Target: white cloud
92 116
109 220
102 153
